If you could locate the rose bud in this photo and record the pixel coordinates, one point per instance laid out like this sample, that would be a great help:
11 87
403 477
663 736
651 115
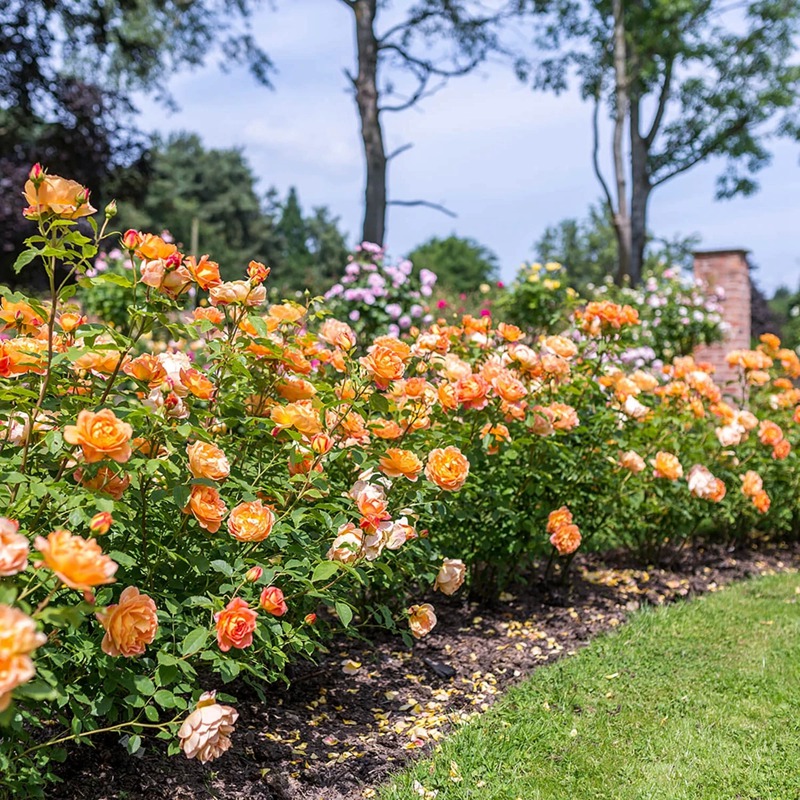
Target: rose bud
272 601
253 574
321 444
131 239
310 618
36 175
111 210
257 272
101 523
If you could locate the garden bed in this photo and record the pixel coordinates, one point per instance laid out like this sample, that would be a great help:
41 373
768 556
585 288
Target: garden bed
333 736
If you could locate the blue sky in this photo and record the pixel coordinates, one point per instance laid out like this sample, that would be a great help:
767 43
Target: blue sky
507 160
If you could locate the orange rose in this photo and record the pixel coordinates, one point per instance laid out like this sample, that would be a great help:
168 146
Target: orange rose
101 435
151 247
566 539
130 625
13 548
294 389
448 468
18 639
450 577
251 522
272 601
666 465
781 450
421 620
300 415
78 563
197 383
400 349
146 368
386 429
213 315
204 272
751 483
19 316
511 333
206 732
769 433
383 364
396 463
338 334
207 506
235 625
58 196
206 460
558 518
105 480
371 502
509 387
761 501
71 321
258 272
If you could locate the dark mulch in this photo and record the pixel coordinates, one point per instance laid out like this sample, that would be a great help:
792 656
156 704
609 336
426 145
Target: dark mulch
333 736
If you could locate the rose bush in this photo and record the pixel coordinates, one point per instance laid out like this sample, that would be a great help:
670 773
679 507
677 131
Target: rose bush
217 484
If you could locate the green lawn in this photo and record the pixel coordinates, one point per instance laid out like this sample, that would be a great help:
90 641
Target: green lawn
697 701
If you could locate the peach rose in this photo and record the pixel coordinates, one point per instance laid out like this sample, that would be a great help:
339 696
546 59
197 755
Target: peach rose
558 518
79 563
632 461
472 391
566 539
235 625
761 501
101 435
704 485
448 468
251 522
237 293
347 545
751 483
769 433
272 601
205 733
384 365
149 247
130 625
258 272
18 639
396 463
197 384
13 548
58 196
781 450
207 506
386 429
421 620
146 368
666 465
211 314
371 502
338 334
207 461
451 576
105 480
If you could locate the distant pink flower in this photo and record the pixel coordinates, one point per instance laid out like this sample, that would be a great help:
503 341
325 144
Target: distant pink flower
442 304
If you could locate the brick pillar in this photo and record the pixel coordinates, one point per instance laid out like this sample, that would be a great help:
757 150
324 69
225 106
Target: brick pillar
728 269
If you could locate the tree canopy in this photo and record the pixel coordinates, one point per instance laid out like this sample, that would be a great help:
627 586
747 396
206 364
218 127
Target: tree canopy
461 264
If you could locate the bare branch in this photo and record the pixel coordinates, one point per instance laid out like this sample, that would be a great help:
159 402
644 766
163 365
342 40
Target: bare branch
420 93
399 151
350 77
428 67
595 147
662 103
406 25
425 203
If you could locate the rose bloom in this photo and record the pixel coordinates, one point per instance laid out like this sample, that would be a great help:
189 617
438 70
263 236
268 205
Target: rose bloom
58 196
197 384
18 638
213 315
730 435
237 293
472 391
385 428
347 545
205 733
294 389
396 463
146 368
704 485
204 272
101 435
560 346
258 272
632 461
558 518
421 620
235 625
448 468
384 365
338 334
511 333
751 483
566 539
79 563
272 601
371 502
781 450
13 548
509 387
130 625
451 576
105 480
769 433
666 465
207 506
251 522
19 316
761 501
207 461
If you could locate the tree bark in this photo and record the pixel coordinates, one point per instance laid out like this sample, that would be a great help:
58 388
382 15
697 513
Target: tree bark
622 219
366 88
640 193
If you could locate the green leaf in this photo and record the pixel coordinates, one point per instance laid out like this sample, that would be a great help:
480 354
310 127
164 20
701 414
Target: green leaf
144 685
218 565
151 712
344 612
324 570
134 743
180 494
164 698
36 690
24 258
194 641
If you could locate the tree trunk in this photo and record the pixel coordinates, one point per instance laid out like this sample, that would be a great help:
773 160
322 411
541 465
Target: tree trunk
622 219
366 86
640 194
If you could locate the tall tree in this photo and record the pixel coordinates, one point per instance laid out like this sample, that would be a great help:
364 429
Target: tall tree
683 82
461 265
433 40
